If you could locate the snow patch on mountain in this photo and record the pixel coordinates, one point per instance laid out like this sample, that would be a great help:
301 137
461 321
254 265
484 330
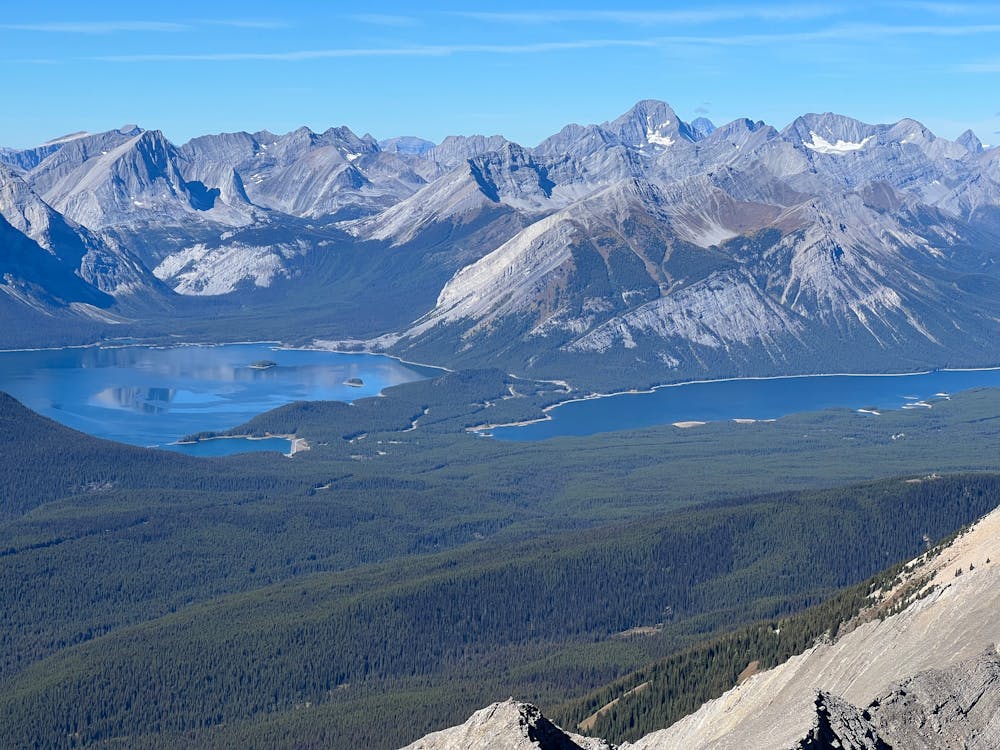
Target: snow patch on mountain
823 146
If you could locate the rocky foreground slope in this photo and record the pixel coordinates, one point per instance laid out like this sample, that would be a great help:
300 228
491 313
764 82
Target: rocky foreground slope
927 676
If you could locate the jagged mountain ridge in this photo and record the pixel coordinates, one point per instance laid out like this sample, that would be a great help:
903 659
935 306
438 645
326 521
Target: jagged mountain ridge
875 224
680 248
926 675
51 262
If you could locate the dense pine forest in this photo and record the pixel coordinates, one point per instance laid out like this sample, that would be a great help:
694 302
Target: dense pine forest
154 599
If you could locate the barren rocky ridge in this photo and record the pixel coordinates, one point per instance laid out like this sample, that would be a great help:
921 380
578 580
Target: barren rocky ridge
927 676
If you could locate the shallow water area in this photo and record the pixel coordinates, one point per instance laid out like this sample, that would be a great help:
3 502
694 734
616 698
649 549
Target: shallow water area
153 396
751 399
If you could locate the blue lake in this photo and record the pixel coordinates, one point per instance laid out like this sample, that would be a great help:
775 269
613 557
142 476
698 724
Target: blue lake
748 399
152 396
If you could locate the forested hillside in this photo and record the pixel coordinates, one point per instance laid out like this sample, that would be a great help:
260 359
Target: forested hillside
249 598
547 618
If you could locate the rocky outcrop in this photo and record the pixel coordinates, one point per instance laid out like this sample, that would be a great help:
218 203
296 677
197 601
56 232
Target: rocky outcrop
838 724
951 708
510 725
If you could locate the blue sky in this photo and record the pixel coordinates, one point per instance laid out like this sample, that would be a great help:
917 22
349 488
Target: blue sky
517 68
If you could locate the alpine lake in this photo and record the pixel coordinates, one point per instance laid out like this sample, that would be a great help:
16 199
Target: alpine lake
154 396
749 399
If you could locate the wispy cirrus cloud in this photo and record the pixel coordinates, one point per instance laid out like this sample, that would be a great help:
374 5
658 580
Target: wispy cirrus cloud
96 27
384 19
846 33
118 27
648 18
942 9
245 23
421 51
33 61
983 66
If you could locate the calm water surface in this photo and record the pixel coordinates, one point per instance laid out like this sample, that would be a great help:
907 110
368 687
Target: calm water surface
152 396
749 399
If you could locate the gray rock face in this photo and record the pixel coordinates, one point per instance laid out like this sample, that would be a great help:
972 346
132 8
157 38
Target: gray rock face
702 127
406 144
955 708
126 178
303 173
840 725
74 253
509 725
455 149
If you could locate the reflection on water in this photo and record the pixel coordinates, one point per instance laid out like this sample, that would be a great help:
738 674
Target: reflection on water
144 400
153 396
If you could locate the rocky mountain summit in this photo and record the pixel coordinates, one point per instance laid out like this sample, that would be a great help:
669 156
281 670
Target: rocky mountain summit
918 668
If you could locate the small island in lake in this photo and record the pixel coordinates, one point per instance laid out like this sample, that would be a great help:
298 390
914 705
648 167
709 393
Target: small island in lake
354 382
263 364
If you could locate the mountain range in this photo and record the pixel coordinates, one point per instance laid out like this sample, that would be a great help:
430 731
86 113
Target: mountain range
644 249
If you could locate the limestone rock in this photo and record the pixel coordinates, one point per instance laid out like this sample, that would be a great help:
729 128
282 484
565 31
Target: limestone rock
509 725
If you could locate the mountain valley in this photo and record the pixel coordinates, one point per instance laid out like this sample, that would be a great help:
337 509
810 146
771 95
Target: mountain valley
817 578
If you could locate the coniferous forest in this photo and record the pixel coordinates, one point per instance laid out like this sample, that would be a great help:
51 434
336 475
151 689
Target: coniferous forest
391 580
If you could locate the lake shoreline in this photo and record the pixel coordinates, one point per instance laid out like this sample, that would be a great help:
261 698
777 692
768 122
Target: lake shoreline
152 395
547 410
484 428
297 444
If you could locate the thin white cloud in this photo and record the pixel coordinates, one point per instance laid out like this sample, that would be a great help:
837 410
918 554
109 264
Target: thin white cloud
967 30
96 27
34 61
384 19
647 18
851 32
985 66
246 23
942 9
425 51
115 27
